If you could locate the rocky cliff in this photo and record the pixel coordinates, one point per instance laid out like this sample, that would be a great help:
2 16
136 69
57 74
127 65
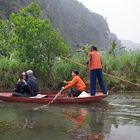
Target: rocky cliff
76 23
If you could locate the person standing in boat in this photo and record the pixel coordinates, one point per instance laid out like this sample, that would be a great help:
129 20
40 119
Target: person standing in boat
32 83
21 89
95 65
76 84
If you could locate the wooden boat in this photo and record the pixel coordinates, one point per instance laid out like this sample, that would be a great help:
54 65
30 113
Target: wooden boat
44 99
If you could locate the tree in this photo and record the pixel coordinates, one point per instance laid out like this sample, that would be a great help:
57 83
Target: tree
36 41
6 38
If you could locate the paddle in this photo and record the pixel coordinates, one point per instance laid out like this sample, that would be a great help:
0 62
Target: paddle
46 106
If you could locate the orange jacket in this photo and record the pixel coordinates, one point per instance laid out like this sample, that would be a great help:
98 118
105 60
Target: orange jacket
95 60
77 82
79 118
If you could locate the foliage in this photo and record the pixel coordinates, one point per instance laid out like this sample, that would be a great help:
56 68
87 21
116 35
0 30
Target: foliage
31 40
6 38
36 40
84 50
76 23
113 48
9 72
125 66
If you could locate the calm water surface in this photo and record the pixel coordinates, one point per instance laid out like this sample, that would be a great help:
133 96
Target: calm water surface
115 118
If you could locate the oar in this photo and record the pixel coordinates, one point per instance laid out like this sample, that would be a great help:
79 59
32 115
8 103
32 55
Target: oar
46 106
112 76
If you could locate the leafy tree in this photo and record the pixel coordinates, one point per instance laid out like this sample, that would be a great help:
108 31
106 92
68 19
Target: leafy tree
6 38
36 41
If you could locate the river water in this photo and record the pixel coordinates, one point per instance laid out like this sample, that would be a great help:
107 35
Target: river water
115 118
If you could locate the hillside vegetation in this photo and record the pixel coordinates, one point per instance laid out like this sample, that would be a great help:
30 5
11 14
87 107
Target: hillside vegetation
76 23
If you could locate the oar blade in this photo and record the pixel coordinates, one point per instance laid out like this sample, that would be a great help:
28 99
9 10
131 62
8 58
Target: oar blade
45 107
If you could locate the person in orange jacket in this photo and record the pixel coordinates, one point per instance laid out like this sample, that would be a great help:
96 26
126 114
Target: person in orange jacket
76 84
95 66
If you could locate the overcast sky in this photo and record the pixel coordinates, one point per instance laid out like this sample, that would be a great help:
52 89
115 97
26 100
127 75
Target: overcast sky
123 16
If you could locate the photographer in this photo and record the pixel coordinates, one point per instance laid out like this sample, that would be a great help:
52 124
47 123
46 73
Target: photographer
21 89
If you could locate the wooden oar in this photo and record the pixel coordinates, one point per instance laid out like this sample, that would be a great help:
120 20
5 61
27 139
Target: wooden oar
46 106
112 76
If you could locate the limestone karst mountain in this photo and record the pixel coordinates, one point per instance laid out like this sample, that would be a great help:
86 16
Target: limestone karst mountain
76 23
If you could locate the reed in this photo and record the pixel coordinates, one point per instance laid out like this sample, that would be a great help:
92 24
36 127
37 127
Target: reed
125 66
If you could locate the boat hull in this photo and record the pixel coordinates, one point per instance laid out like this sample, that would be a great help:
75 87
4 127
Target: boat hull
7 96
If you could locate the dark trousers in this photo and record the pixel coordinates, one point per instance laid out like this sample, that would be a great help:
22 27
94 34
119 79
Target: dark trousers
74 92
97 73
17 94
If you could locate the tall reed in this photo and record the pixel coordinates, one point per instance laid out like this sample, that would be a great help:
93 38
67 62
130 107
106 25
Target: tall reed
125 66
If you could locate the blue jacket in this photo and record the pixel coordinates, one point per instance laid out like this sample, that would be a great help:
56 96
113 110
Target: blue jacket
32 85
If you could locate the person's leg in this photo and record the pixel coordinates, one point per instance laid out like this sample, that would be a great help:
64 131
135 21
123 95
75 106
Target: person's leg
16 94
75 92
27 95
101 81
20 94
93 82
69 94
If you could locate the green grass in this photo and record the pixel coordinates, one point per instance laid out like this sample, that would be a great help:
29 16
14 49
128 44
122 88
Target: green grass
125 66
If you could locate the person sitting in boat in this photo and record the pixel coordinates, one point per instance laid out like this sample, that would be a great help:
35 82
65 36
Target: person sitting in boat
21 89
77 85
32 83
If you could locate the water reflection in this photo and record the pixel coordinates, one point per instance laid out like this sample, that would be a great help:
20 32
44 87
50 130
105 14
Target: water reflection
78 117
113 119
89 123
79 122
97 124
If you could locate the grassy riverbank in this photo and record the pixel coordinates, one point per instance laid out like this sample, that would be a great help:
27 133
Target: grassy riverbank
125 66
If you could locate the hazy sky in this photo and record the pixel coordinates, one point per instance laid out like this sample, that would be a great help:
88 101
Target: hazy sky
123 16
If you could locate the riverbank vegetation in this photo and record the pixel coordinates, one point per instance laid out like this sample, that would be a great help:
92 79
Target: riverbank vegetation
29 42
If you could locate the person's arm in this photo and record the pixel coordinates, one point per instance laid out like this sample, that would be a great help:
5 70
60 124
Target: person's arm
71 84
89 59
66 82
